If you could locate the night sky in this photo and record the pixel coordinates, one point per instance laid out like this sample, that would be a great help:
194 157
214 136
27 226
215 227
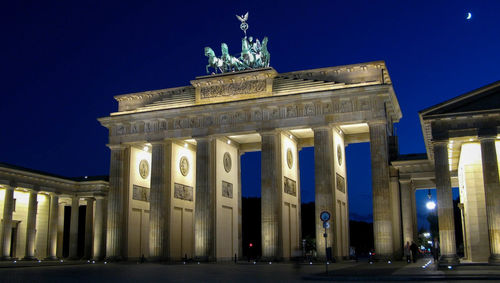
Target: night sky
63 61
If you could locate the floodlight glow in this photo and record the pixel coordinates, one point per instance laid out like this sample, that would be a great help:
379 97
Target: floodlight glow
427 234
430 205
146 148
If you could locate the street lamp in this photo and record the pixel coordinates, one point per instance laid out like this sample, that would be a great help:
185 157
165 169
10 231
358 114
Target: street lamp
430 203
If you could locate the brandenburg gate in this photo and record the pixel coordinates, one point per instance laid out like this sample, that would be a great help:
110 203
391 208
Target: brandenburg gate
175 186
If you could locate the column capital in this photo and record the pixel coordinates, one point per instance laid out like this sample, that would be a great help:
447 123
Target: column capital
405 181
440 142
159 142
116 146
377 122
322 128
489 137
270 132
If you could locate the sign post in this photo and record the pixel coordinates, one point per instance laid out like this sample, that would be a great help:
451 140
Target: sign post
325 216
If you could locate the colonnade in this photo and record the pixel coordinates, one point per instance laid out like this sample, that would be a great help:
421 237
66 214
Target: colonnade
280 209
44 235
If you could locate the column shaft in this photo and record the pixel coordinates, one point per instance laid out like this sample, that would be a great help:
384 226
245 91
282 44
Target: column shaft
382 218
7 222
118 189
99 242
205 199
53 222
89 225
271 196
492 189
445 204
160 201
324 198
31 226
73 228
406 211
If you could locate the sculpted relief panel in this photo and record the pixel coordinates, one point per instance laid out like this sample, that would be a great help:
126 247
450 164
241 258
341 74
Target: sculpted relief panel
241 88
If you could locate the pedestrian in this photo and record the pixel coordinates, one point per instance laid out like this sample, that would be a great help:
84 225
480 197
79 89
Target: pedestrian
414 251
407 252
435 249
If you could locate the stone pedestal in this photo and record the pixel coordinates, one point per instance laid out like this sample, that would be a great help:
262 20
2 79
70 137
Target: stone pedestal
29 253
406 207
160 201
52 230
492 190
7 222
271 196
89 227
118 186
444 204
205 199
99 242
382 217
73 228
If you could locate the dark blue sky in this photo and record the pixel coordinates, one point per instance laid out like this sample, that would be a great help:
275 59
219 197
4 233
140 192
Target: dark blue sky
63 61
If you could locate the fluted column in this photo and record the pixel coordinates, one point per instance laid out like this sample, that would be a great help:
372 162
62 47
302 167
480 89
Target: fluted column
382 218
73 228
492 189
205 199
118 184
271 196
325 184
444 204
89 225
7 222
29 253
160 201
406 213
52 231
99 242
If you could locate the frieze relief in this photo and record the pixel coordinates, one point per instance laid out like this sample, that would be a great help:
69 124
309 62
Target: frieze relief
233 89
333 106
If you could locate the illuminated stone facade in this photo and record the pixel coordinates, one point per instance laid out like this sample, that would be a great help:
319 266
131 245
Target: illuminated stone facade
193 136
463 150
34 221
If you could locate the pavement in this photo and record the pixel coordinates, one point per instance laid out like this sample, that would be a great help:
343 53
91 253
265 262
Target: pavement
83 271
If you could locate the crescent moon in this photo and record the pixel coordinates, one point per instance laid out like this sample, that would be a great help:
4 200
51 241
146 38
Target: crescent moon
469 16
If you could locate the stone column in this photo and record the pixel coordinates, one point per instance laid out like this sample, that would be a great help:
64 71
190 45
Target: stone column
414 211
406 211
73 228
118 184
205 199
492 189
240 214
52 230
99 242
8 204
160 201
444 204
382 217
271 196
325 184
89 225
29 253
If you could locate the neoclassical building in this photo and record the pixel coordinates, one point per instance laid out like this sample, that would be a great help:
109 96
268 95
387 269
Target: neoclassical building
41 215
175 186
462 138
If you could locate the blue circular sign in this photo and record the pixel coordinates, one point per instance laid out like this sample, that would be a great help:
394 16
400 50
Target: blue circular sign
324 216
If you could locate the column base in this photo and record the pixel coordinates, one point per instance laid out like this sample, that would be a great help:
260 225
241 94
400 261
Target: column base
4 258
494 259
115 258
382 258
446 260
51 258
29 258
